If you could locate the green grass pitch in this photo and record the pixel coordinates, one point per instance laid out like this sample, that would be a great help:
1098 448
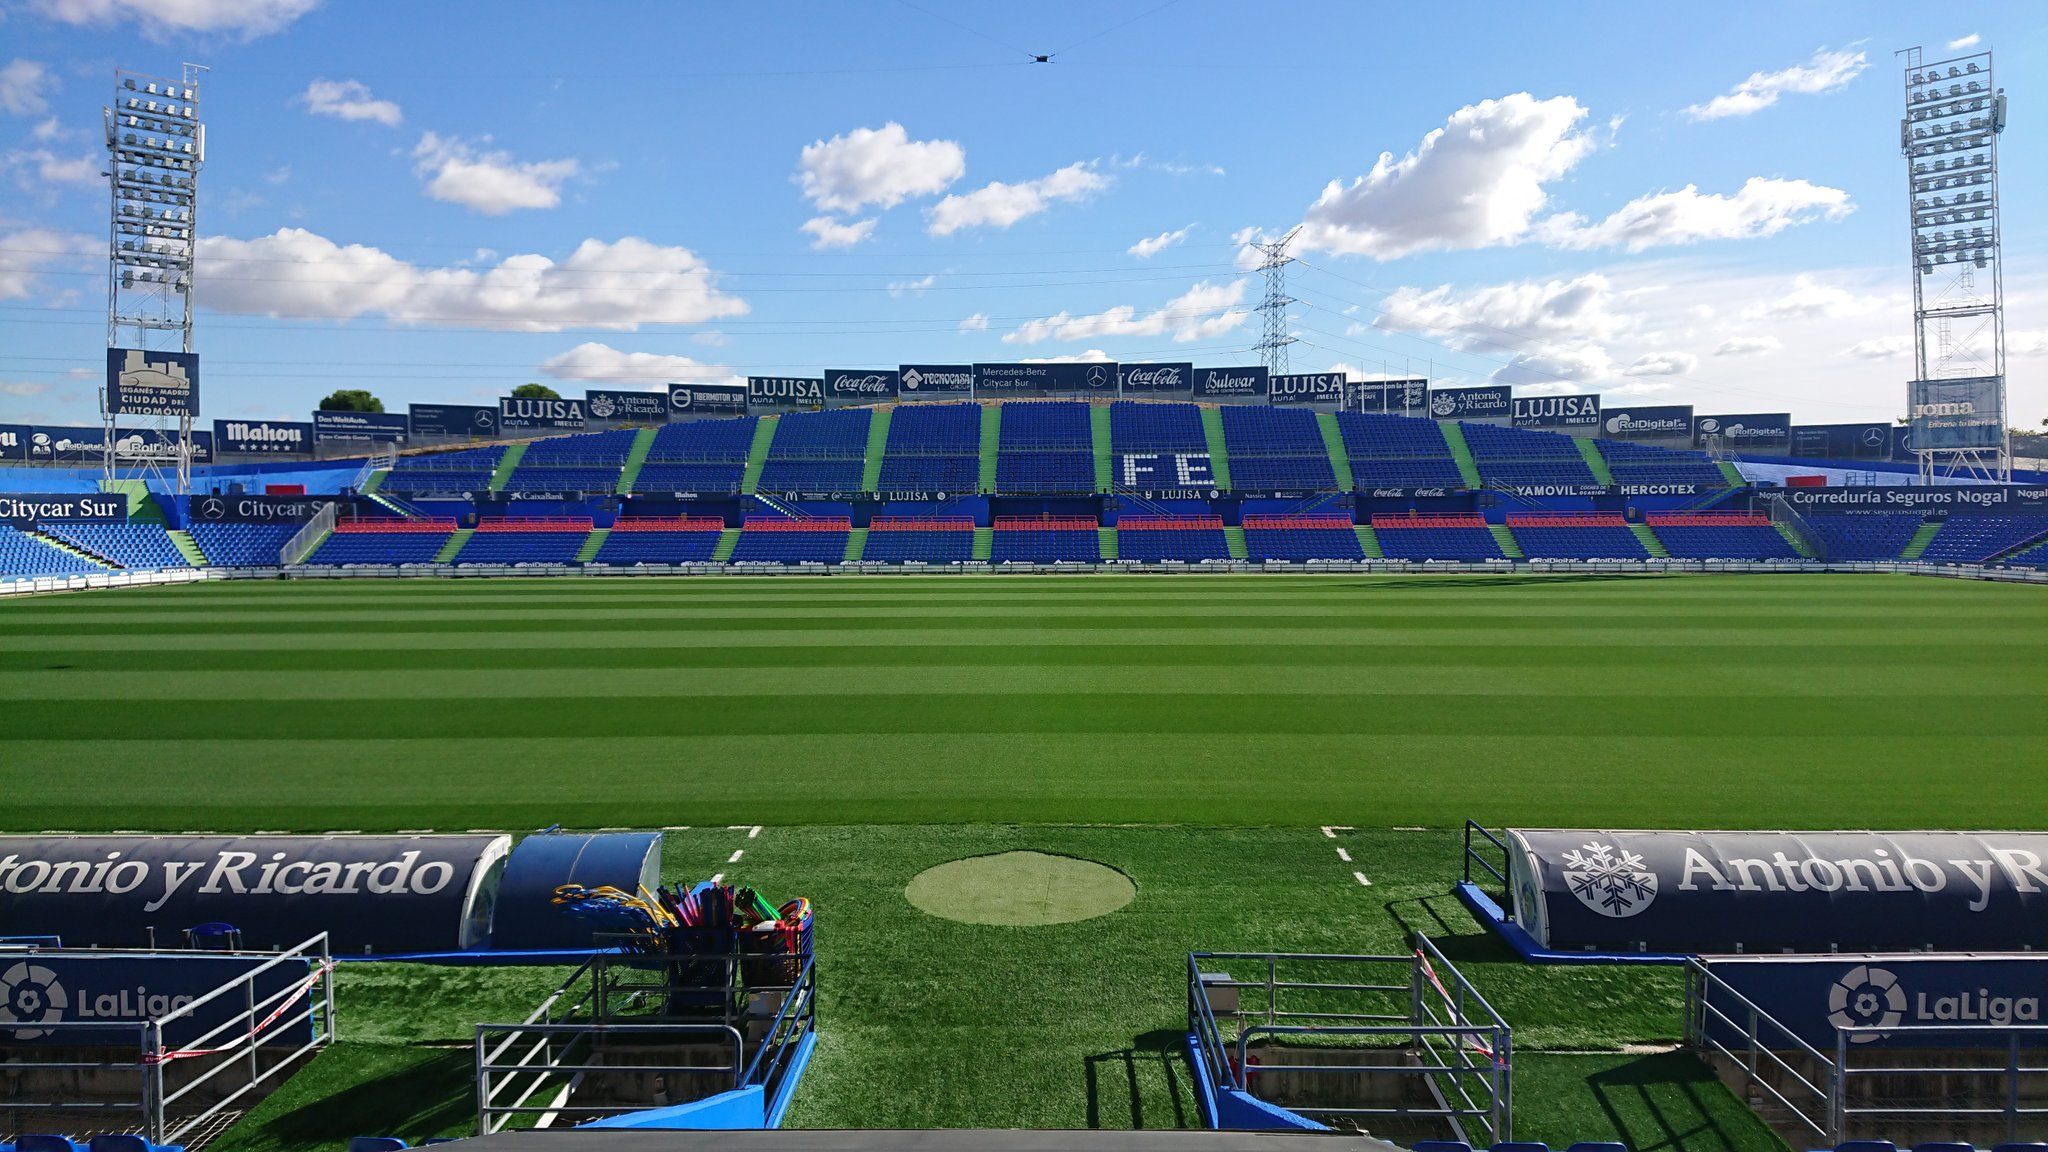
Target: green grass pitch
1193 732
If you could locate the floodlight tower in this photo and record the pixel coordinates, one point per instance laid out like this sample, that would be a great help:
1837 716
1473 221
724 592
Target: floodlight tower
1949 136
156 145
1272 309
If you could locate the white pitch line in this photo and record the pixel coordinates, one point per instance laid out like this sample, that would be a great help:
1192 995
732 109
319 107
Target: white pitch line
1360 877
675 827
717 877
1331 830
737 827
1343 855
736 854
753 832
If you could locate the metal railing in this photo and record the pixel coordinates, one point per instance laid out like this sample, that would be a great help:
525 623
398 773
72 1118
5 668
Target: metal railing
1782 513
2019 1115
1450 1040
306 539
1758 1054
1472 856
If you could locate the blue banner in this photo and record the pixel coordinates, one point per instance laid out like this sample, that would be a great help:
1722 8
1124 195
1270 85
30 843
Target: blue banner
1998 499
1842 441
1324 390
998 381
14 443
615 406
455 421
845 387
784 393
1665 424
695 401
263 437
1176 379
142 383
360 427
1902 444
1961 414
1245 385
1491 402
258 509
103 1000
66 445
1557 413
31 507
534 414
1389 397
1767 432
934 381
1812 995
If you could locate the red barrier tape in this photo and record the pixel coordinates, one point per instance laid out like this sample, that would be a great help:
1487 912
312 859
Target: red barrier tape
1444 992
167 1055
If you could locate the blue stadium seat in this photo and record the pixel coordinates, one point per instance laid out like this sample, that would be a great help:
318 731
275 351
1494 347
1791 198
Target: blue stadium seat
923 539
1300 539
817 452
1864 535
590 462
1866 1146
533 540
1597 1146
1632 463
1576 536
776 540
1719 536
242 545
45 1142
376 1144
22 554
1440 1146
466 470
1397 452
1276 449
2034 557
1457 538
1518 457
932 448
388 541
1976 539
1519 1146
698 457
1048 540
688 540
121 544
1154 539
1045 448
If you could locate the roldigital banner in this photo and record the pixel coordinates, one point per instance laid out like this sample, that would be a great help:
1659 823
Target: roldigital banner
1780 891
698 400
1576 414
456 421
1492 404
537 414
360 427
1998 498
1322 390
1767 432
258 509
263 437
1388 397
1001 381
1909 1000
614 406
131 445
376 894
1665 424
1175 380
23 508
1962 414
846 387
784 393
935 382
141 383
1842 441
1231 385
102 1000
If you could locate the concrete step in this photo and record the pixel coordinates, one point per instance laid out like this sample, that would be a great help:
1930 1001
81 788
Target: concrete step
447 553
1454 436
591 544
1333 442
1506 540
187 547
757 455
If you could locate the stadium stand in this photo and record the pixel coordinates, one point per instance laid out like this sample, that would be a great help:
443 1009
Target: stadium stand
1575 536
1148 426
1045 447
1153 539
652 540
22 554
1864 535
1397 452
1975 539
525 540
817 452
589 462
1300 539
780 540
384 541
242 545
707 457
1462 538
1047 540
1649 464
920 539
123 545
467 470
932 448
1511 457
1276 449
2034 557
1719 536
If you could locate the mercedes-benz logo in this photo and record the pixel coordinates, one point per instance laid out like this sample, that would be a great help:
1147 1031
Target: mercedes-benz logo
213 508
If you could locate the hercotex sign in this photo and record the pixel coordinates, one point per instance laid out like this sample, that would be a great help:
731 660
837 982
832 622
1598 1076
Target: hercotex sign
1780 891
103 999
1882 1000
374 894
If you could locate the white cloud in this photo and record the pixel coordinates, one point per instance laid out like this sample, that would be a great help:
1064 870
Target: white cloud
492 183
24 88
829 233
1152 246
1202 311
1636 388
1556 370
1825 72
1764 206
1961 43
881 166
975 323
349 100
1811 298
46 130
1505 317
1091 356
41 166
999 205
26 251
1662 364
618 285
248 18
1477 181
1880 348
596 363
22 388
912 287
2027 343
1748 346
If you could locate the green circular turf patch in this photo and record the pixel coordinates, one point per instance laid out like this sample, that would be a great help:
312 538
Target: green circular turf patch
1020 889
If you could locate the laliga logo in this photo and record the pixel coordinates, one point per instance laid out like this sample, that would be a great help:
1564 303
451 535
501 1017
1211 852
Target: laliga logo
1866 997
30 994
1609 881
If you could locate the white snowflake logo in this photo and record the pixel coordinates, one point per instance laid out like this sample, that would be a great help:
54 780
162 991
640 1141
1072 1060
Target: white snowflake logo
1610 881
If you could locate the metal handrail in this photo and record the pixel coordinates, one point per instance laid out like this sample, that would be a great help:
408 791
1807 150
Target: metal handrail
488 1109
1500 873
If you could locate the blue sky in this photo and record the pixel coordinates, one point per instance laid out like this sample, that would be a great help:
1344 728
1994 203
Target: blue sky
439 201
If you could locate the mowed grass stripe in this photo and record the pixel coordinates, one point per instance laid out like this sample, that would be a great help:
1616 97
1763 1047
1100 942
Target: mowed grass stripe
1021 713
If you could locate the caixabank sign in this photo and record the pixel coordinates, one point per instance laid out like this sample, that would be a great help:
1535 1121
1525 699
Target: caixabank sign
1886 1000
1712 892
104 999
